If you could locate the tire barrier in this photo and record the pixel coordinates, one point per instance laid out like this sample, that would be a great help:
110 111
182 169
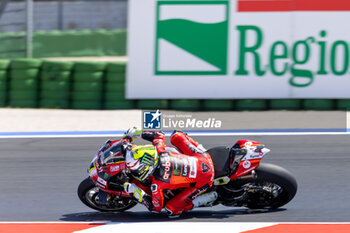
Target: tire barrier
318 104
88 80
251 105
152 104
285 104
55 84
186 105
218 105
4 65
24 83
31 83
342 104
114 93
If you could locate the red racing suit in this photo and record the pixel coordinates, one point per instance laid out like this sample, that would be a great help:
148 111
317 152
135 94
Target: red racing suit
192 170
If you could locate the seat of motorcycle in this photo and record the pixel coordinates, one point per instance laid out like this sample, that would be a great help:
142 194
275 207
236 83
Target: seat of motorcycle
220 156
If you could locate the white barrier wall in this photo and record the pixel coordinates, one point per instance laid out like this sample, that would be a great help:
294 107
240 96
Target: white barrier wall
238 49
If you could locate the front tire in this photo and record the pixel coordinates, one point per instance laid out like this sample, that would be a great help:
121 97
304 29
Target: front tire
272 177
88 194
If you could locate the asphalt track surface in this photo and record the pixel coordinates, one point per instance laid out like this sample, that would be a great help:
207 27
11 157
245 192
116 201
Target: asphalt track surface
39 178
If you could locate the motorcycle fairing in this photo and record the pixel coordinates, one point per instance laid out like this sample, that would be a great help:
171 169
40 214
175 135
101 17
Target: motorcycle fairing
241 159
251 154
106 164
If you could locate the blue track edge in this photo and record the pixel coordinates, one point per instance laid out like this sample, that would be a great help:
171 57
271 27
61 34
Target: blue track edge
118 132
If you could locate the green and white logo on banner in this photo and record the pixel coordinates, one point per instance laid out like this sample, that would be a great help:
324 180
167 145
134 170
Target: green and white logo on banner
192 37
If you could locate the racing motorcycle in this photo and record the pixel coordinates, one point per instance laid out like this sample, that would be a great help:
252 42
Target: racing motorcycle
240 179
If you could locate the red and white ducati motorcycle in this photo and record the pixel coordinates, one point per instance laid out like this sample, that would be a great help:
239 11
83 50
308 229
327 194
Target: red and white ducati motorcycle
240 179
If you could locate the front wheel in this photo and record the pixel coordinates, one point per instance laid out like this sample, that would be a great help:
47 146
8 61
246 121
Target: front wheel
273 187
88 194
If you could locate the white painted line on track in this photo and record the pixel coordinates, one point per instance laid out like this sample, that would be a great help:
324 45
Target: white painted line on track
173 226
176 227
107 222
49 222
202 227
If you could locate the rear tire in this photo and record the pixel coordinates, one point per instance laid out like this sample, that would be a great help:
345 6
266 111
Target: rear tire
269 174
87 192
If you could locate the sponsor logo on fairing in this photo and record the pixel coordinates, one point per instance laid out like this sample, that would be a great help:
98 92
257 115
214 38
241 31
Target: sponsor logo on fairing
118 167
166 164
184 172
102 181
197 193
114 168
193 167
246 164
248 144
253 156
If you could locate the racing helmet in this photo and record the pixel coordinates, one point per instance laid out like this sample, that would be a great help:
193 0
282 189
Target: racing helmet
142 161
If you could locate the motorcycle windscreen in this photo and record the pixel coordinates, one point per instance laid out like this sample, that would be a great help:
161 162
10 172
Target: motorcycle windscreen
111 155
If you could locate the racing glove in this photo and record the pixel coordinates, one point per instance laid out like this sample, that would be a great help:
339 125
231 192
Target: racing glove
135 190
132 133
139 194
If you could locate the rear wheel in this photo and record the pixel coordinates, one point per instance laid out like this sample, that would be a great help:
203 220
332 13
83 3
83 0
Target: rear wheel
273 188
88 194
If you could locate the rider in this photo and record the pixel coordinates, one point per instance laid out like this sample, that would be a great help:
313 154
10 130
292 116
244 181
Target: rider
192 170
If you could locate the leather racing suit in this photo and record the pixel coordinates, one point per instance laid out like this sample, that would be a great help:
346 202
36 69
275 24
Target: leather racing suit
192 170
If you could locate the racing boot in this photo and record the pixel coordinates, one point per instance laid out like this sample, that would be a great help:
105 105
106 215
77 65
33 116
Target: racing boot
206 199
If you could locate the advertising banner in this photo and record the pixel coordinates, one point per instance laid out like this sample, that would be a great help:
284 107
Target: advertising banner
224 49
